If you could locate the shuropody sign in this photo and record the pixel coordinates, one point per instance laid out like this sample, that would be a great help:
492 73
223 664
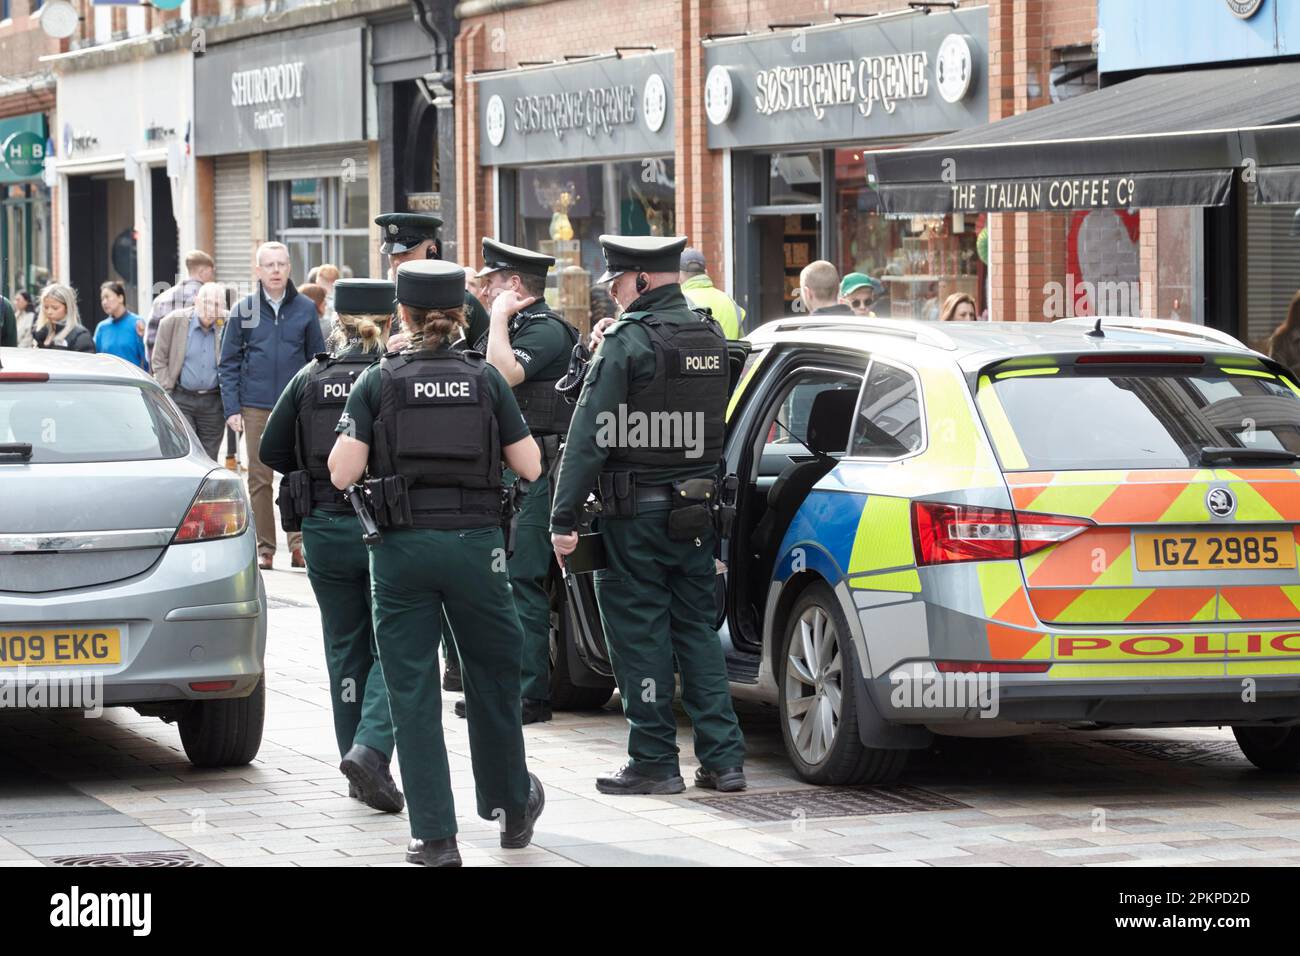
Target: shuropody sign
903 76
597 109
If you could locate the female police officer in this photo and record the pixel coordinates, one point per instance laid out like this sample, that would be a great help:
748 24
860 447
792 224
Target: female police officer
433 424
298 437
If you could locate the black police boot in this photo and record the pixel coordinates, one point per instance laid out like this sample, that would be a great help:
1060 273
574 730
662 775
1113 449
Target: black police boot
518 834
628 780
433 852
728 780
367 771
536 711
451 676
460 709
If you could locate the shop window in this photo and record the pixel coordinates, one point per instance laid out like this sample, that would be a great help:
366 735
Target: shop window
918 261
1272 267
563 210
322 219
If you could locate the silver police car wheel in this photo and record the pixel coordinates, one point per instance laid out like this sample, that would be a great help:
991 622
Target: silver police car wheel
813 686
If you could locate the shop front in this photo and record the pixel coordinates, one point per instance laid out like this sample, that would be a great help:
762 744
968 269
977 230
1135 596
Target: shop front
25 206
285 128
797 109
126 193
580 150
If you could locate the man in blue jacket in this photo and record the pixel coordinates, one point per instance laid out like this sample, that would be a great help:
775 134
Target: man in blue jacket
270 335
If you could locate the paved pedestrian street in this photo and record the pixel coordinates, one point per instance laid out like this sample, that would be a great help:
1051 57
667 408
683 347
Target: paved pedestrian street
120 787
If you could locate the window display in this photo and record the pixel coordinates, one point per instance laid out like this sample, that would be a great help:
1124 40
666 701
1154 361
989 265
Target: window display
322 219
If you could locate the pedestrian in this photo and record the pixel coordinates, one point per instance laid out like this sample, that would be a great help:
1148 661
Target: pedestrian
199 269
819 289
271 335
25 315
413 237
297 441
59 325
185 359
8 324
530 345
701 293
656 593
116 333
858 292
436 424
958 307
316 293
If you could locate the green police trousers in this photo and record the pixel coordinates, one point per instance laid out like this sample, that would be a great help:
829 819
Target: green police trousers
338 567
529 566
415 575
657 600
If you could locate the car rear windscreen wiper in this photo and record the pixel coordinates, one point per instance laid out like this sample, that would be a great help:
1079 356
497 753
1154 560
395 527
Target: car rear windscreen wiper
16 449
1247 454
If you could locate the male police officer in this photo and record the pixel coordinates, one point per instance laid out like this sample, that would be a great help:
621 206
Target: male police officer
530 346
413 237
647 432
410 237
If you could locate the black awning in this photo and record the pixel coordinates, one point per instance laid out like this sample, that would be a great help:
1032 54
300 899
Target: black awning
1169 139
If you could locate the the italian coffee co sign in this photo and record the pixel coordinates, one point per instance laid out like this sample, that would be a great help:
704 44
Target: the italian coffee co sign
912 75
601 108
1245 9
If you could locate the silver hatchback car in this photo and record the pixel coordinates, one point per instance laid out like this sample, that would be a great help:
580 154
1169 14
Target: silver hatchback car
127 557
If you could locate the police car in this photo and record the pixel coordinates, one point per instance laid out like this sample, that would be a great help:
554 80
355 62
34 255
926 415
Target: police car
994 528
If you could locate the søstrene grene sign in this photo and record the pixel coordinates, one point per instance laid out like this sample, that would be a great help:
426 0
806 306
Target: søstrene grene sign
864 83
592 110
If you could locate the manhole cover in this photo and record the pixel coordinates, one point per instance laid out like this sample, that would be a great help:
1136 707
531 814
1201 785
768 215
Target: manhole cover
152 858
1183 751
828 802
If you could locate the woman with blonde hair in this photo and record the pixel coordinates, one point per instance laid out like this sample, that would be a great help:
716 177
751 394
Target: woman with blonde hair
59 325
1284 344
958 307
298 437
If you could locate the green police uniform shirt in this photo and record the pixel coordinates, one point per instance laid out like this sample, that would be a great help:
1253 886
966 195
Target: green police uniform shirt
542 347
277 446
624 362
362 408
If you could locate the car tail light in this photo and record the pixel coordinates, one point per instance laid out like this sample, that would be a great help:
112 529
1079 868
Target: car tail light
24 376
211 686
1138 358
990 667
944 533
220 510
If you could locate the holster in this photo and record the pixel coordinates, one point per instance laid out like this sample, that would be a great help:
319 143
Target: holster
692 510
294 500
725 508
510 508
391 501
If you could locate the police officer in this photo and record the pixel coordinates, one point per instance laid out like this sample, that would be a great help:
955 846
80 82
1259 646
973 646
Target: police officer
656 593
298 437
413 237
434 424
529 345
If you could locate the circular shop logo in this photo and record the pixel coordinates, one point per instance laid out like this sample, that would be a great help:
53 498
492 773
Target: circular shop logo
1220 502
654 102
495 120
1245 8
952 68
718 95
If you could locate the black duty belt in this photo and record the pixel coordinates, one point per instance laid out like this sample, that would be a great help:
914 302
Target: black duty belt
474 500
325 495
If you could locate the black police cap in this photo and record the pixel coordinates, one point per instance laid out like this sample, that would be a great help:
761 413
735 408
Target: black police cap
364 296
641 254
499 257
403 231
431 284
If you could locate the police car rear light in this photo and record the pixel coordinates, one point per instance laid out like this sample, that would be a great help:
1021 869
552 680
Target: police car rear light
943 533
1139 358
990 667
220 510
24 376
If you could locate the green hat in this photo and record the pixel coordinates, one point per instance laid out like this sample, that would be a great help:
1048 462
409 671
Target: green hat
499 257
403 231
363 296
431 284
856 280
640 254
